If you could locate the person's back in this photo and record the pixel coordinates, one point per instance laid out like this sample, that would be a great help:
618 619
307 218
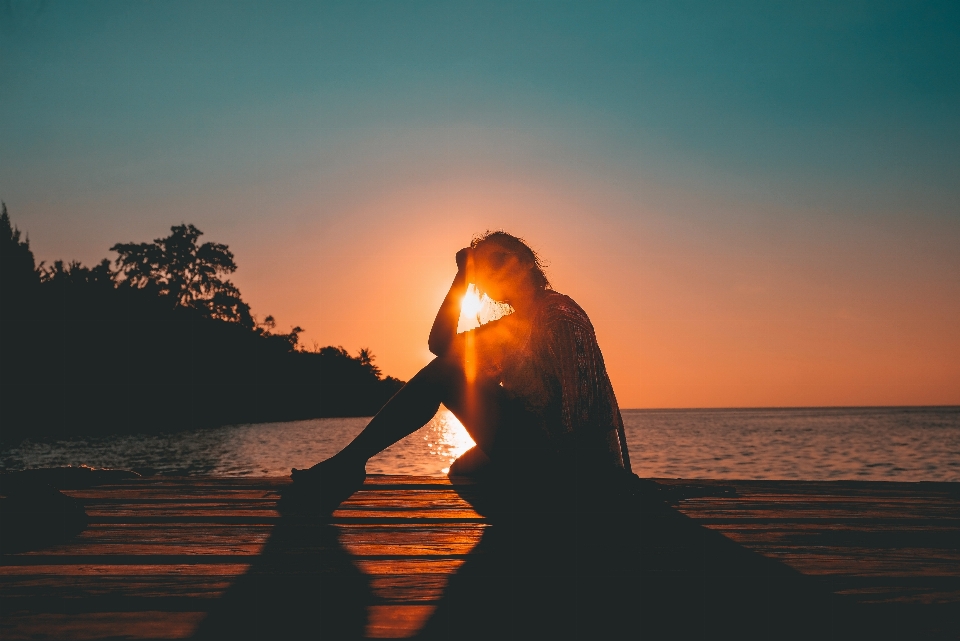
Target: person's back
560 378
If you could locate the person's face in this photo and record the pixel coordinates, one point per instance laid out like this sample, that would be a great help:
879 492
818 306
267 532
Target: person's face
498 273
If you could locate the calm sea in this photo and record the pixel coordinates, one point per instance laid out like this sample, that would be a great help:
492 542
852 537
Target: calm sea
902 444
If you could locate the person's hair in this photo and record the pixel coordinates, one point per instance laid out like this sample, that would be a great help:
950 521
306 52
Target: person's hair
518 247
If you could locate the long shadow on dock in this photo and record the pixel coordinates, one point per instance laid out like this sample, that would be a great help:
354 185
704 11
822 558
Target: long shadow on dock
157 555
631 568
303 585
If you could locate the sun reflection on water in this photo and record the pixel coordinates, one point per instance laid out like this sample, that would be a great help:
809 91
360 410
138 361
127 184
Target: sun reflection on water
454 437
428 451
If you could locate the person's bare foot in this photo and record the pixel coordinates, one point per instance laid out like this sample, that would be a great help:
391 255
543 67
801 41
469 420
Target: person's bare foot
331 482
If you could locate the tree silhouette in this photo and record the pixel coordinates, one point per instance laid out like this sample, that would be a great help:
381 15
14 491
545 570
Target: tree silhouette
365 356
76 274
17 272
162 342
188 273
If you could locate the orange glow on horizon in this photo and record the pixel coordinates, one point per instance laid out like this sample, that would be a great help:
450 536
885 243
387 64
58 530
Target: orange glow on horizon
713 315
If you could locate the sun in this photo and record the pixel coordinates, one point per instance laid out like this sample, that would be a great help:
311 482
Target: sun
471 304
470 309
477 309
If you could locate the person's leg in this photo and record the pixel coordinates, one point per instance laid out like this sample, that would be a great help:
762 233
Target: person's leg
476 403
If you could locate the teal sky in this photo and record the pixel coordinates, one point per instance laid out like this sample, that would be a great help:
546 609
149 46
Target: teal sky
811 150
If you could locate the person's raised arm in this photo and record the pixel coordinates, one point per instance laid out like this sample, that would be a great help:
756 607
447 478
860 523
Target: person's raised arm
445 325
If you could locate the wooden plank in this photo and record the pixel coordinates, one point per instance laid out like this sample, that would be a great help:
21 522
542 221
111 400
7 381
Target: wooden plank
162 548
408 588
406 499
184 519
351 519
180 544
426 514
141 539
115 586
100 625
53 569
409 566
396 621
135 560
163 522
171 493
876 542
405 580
366 540
168 510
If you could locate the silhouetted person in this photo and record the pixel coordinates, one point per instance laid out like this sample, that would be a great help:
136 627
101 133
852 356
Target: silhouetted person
530 388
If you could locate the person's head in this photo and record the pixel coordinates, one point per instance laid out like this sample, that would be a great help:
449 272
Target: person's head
505 266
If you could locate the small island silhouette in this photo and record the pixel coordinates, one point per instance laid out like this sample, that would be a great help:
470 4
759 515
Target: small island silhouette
157 340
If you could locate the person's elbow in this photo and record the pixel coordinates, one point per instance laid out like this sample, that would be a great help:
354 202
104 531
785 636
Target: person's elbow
445 347
438 347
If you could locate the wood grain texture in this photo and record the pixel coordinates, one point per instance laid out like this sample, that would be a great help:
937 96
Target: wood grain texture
161 554
880 542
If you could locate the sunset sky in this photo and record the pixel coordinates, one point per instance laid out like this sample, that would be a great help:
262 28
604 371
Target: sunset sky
757 203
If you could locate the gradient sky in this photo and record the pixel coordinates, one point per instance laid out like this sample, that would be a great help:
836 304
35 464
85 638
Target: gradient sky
757 203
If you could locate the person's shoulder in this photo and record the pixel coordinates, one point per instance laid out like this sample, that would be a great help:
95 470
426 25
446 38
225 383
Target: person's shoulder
560 308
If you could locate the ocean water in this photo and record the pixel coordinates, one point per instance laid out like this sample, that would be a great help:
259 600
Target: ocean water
893 444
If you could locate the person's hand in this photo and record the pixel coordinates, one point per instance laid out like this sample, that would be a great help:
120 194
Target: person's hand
463 256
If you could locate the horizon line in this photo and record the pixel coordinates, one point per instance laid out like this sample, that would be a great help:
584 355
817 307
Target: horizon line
786 407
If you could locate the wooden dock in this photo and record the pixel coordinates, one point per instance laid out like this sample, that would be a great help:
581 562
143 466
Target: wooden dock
166 558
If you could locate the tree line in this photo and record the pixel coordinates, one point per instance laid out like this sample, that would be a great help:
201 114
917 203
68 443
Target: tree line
158 339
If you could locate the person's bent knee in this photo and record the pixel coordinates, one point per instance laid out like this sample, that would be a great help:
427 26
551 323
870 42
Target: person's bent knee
444 370
442 374
451 374
446 364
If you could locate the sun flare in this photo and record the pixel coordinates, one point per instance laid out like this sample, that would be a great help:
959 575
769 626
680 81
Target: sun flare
470 310
471 304
477 309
